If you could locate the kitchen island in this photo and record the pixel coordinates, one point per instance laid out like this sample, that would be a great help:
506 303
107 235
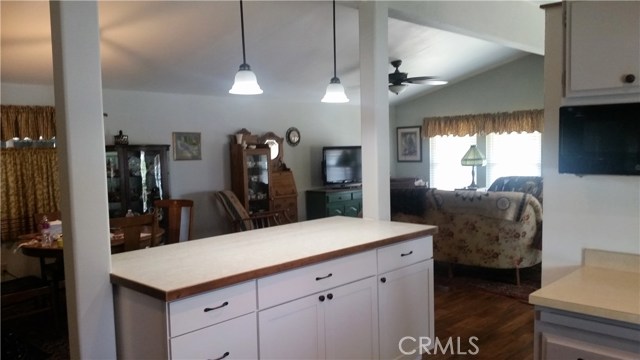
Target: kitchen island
314 289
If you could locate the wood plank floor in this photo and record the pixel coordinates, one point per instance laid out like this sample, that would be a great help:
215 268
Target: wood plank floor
502 325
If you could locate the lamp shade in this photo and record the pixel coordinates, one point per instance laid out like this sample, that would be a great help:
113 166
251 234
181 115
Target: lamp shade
245 82
473 157
335 92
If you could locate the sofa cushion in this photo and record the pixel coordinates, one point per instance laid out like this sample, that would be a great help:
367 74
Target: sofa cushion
526 184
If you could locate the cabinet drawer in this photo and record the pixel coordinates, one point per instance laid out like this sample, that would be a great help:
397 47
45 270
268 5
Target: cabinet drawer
338 197
211 308
289 285
405 253
233 339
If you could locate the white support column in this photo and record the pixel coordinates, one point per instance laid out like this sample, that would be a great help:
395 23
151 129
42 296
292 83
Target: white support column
374 109
80 139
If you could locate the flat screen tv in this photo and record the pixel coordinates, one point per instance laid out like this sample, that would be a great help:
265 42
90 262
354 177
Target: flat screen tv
600 139
341 165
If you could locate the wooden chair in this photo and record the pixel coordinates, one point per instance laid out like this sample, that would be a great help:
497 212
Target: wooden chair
173 213
240 219
132 227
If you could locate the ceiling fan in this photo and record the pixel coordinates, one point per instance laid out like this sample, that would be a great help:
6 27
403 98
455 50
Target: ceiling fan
398 81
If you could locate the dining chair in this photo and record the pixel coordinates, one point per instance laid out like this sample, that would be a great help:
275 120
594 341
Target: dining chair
172 210
240 218
28 296
132 227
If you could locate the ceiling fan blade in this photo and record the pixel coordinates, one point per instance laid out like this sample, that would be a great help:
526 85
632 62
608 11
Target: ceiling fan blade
420 80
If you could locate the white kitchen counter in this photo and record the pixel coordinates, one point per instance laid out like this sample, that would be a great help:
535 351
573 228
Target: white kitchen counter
175 271
597 289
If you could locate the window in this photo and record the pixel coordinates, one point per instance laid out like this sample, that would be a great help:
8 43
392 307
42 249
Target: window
514 154
445 171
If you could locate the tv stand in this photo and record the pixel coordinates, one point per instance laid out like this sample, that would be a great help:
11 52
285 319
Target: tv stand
345 200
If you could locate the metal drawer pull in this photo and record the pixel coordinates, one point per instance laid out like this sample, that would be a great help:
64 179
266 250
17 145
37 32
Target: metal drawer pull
406 254
324 277
221 357
217 307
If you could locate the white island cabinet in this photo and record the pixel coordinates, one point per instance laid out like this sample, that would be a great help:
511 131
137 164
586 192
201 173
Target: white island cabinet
324 289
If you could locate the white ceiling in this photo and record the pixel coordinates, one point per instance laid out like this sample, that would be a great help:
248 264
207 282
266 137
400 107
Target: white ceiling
194 47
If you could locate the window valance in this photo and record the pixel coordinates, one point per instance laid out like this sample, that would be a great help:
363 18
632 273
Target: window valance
503 122
27 121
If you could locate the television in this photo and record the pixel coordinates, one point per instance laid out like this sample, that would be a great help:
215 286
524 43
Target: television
341 165
600 139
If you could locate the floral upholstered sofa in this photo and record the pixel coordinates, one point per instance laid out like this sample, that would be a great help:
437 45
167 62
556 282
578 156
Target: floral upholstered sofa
495 229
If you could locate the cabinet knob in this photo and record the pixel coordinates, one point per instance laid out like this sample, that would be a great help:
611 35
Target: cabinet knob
629 78
330 296
383 280
321 298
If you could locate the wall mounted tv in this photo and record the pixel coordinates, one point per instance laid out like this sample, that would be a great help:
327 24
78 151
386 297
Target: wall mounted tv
341 165
600 139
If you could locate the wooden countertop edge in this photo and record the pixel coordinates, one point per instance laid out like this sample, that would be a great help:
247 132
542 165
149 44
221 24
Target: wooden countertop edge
180 293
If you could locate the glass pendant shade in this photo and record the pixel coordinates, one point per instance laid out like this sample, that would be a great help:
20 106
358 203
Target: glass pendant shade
245 82
335 92
397 89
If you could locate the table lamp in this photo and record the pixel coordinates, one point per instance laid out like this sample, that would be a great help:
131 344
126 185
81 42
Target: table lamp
473 158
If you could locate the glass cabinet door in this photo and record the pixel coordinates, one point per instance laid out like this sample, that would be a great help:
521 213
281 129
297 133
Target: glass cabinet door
258 181
114 188
145 179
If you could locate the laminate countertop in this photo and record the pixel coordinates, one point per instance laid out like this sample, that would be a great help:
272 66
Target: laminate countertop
597 290
188 268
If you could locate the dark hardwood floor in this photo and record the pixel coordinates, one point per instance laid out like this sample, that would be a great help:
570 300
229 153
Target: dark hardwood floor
502 325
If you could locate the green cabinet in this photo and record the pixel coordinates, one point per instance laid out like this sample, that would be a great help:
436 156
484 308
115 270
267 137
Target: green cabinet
333 202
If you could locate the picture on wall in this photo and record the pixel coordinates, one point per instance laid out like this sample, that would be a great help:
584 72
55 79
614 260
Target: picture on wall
186 146
409 144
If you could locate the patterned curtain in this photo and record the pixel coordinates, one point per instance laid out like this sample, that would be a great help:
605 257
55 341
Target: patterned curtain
503 122
27 121
29 185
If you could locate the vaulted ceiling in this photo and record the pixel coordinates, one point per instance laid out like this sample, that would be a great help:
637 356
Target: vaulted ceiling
194 47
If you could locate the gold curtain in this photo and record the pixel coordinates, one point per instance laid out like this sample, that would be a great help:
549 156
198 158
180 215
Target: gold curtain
27 121
29 185
503 122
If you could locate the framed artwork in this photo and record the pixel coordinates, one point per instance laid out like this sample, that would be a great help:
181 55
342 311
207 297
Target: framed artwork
186 146
409 144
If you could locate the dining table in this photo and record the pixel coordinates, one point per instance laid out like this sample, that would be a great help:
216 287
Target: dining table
31 245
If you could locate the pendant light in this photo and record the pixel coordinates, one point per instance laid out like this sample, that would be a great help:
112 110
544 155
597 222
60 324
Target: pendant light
245 82
335 90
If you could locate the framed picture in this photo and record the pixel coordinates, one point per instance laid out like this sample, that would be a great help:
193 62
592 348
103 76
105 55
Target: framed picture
409 144
186 146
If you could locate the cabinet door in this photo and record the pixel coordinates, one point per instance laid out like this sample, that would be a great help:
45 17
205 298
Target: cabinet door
336 209
340 323
293 330
559 348
351 321
400 293
258 178
602 47
115 190
352 208
233 339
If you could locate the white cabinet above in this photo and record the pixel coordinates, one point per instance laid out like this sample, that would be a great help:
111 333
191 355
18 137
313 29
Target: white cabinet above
602 40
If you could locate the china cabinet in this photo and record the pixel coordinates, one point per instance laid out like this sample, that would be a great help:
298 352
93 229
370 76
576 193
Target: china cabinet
136 176
251 176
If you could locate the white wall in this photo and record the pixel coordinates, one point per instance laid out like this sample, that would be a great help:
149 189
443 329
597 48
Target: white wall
517 85
599 212
150 118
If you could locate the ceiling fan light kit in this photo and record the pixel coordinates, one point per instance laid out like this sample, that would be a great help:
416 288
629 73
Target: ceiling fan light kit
245 82
335 91
399 81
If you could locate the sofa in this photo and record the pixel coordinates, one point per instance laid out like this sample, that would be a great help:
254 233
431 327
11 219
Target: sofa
498 228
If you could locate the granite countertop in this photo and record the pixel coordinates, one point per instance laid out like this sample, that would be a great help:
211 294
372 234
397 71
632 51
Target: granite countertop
597 290
175 271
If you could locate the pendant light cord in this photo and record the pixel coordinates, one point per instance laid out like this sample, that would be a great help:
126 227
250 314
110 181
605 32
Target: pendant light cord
244 58
334 40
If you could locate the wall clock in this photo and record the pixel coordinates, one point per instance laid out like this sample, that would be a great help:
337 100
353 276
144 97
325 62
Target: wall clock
293 136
